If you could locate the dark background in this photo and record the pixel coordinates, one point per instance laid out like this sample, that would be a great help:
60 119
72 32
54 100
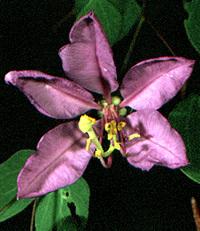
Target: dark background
122 197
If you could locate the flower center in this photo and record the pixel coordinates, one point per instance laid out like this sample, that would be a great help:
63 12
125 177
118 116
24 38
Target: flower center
112 124
85 125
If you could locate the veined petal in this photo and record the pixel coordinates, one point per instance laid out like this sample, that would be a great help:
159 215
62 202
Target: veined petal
60 160
88 60
159 143
53 96
153 82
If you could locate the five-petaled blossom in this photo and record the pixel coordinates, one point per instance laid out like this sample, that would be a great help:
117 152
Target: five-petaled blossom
144 137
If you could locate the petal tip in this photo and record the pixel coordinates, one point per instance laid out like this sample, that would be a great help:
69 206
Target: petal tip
9 77
91 13
192 62
18 196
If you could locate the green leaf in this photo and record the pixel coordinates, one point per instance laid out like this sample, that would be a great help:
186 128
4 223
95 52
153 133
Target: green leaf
9 171
14 208
64 209
117 17
186 120
130 12
192 24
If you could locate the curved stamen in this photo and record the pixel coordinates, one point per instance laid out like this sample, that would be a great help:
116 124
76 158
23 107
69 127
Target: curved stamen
85 125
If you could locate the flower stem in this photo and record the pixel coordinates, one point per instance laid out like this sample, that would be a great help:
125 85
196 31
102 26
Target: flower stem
161 37
33 215
196 214
64 19
132 44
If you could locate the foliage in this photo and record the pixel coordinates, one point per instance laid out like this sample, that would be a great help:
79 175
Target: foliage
192 24
67 208
9 171
185 118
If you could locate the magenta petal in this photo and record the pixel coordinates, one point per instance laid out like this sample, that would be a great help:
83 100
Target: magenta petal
60 160
88 60
153 82
53 96
159 144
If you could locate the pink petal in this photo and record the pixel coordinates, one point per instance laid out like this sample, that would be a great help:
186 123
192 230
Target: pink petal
53 96
60 160
159 143
153 82
88 60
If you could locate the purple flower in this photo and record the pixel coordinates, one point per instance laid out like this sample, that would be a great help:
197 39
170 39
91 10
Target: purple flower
144 137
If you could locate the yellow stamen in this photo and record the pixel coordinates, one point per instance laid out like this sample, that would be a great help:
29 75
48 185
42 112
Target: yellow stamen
110 135
116 144
85 123
88 144
111 129
107 127
121 125
98 153
132 136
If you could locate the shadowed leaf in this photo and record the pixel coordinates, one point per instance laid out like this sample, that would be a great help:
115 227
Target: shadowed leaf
192 24
185 119
9 170
65 209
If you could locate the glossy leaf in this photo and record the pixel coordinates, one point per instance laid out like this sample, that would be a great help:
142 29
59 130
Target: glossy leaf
8 185
192 24
152 83
60 160
88 60
185 118
159 143
130 12
65 209
53 96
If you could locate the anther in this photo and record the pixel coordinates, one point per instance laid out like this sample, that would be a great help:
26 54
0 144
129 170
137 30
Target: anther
121 125
132 136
